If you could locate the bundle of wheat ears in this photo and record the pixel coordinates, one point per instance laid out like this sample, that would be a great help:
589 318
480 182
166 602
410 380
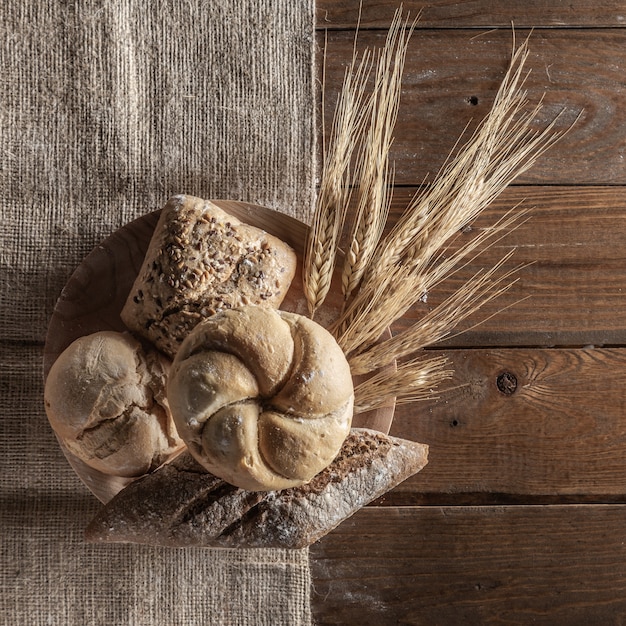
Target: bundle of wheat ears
382 276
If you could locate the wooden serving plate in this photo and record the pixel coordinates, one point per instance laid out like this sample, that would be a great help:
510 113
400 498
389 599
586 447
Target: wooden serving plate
93 298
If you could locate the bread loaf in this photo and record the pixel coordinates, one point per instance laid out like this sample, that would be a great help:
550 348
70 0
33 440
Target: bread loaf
201 260
105 399
182 505
262 398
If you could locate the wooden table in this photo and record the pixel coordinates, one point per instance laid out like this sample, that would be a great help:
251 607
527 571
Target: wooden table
520 516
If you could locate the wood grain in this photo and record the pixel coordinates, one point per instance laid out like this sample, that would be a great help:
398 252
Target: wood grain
473 13
521 423
559 437
575 276
451 78
481 565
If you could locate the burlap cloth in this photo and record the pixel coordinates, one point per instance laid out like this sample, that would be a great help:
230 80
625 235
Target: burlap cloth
106 109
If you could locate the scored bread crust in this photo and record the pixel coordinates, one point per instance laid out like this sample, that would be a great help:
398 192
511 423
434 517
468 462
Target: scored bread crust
183 505
201 260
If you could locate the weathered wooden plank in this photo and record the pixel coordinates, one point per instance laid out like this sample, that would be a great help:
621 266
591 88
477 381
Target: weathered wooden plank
483 565
576 285
451 79
521 423
473 13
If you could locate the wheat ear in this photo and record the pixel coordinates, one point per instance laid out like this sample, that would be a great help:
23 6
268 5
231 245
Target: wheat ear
374 179
334 192
438 324
413 380
503 147
402 287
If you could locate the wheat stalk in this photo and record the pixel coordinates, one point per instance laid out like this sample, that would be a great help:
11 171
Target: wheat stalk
382 277
438 324
413 380
409 259
374 179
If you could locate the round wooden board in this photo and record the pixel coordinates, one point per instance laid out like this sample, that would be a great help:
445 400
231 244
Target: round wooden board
93 298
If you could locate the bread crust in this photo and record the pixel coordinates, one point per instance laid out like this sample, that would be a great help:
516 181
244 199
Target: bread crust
183 505
201 260
105 399
262 398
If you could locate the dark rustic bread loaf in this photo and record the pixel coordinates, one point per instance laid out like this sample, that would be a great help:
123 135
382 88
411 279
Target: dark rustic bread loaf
201 260
182 505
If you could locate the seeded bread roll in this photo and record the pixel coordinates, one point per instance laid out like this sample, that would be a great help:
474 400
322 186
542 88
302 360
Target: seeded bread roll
262 398
105 399
182 505
202 260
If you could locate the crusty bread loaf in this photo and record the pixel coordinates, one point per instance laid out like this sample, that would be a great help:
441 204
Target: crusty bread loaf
201 260
262 398
105 399
182 505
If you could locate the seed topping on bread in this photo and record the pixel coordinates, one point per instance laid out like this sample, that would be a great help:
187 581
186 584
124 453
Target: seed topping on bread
202 260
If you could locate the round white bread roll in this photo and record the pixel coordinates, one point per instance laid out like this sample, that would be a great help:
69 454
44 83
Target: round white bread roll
262 398
105 399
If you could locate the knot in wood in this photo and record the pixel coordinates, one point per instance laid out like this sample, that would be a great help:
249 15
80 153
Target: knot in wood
506 383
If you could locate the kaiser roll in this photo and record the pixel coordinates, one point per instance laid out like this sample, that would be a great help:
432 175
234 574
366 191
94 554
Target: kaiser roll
262 398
